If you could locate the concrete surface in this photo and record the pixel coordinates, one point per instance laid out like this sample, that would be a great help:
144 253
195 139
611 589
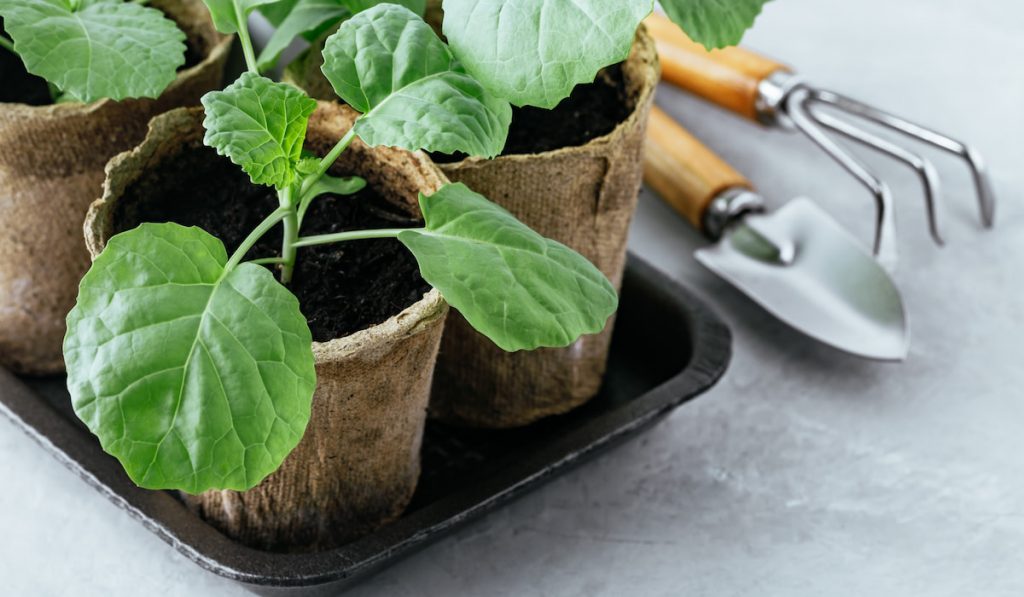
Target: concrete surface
805 472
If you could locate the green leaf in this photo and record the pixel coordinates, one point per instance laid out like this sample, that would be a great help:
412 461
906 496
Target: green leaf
389 64
226 14
278 11
313 17
516 287
260 125
714 24
310 19
346 185
193 377
356 6
105 49
534 52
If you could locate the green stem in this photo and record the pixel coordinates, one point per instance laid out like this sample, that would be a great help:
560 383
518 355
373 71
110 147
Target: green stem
254 236
243 37
288 247
327 239
286 197
7 44
328 161
267 261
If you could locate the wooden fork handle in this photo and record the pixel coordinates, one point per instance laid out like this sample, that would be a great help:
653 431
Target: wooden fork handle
728 77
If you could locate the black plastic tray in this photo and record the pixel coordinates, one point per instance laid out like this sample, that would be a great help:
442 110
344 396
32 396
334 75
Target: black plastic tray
668 348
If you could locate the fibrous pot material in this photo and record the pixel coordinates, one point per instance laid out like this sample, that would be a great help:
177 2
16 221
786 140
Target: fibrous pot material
51 168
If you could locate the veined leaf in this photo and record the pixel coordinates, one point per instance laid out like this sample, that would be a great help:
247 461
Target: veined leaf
193 377
516 287
714 24
310 19
228 14
278 11
534 52
260 125
307 17
389 64
104 49
417 6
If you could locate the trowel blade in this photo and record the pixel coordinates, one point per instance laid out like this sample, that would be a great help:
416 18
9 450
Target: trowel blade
807 270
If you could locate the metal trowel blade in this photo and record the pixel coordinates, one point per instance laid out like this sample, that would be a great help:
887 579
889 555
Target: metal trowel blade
807 270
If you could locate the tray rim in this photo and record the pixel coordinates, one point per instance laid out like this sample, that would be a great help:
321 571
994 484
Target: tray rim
203 545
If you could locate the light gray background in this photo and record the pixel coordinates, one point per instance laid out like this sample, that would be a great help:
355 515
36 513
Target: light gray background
804 472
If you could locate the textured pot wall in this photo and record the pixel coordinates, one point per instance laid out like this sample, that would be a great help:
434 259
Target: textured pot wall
358 464
51 168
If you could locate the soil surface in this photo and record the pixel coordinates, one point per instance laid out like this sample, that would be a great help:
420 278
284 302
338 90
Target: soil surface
16 84
593 110
19 86
342 288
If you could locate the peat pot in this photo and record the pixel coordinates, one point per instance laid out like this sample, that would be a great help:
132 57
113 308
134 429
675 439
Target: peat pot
376 325
581 195
51 169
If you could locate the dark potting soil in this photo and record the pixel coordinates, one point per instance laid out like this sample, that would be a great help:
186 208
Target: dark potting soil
17 85
342 288
593 110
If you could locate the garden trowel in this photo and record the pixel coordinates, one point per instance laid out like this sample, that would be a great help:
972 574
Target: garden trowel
797 262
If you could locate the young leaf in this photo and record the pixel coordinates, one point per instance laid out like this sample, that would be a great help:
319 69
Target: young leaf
104 49
307 17
348 185
194 377
277 12
417 6
310 19
516 287
389 64
228 15
260 125
533 52
714 24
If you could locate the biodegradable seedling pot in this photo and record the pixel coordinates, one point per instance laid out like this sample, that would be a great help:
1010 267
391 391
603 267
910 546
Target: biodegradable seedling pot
359 461
51 169
583 196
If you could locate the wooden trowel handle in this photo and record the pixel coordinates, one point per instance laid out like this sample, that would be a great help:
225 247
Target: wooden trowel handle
681 169
728 77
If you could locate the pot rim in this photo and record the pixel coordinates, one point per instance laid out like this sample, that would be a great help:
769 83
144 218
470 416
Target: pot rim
425 313
218 53
644 52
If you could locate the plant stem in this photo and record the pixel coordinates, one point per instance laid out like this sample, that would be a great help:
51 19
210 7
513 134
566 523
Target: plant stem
267 261
328 161
254 236
327 239
243 37
7 44
288 247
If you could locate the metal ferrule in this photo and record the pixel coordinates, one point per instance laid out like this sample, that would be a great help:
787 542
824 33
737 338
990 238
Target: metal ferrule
729 206
772 92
